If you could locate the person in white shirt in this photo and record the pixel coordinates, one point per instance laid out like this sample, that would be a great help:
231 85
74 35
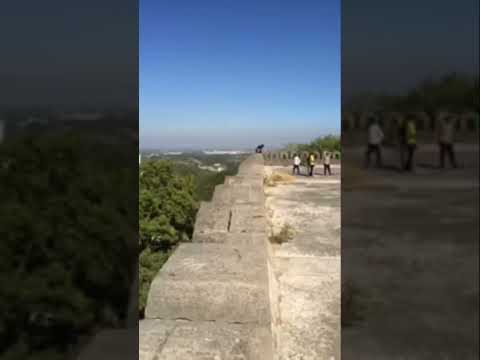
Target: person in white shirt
326 163
375 138
296 164
445 135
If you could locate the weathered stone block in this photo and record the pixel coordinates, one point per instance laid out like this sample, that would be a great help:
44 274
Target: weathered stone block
247 218
212 217
242 239
310 317
152 336
205 282
211 340
222 194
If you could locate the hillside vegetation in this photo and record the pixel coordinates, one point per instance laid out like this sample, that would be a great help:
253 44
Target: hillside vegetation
328 142
170 193
167 207
68 242
452 92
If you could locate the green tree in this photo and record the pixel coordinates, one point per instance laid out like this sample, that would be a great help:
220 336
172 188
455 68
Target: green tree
167 209
68 220
328 142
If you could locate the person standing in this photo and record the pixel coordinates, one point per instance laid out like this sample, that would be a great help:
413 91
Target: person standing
311 163
402 141
445 135
296 164
259 149
375 138
326 163
411 140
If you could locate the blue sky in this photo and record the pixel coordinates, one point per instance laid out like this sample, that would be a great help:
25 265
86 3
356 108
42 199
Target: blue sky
232 73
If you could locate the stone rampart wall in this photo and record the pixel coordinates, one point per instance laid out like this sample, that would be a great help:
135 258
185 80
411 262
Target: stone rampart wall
286 157
210 299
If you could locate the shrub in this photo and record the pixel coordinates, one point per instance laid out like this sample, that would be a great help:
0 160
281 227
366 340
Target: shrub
167 209
320 144
276 178
283 236
68 220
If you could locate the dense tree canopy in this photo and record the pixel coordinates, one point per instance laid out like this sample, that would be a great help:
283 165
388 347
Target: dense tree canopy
328 142
170 192
167 208
452 92
68 233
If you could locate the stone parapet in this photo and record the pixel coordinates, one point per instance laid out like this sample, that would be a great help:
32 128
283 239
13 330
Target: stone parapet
210 299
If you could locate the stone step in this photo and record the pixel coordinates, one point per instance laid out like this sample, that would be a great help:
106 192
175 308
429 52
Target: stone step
248 218
306 266
245 239
238 193
222 194
185 340
236 218
244 180
252 167
206 282
253 171
212 217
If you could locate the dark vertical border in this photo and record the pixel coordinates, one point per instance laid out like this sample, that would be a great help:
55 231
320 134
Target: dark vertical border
68 180
410 239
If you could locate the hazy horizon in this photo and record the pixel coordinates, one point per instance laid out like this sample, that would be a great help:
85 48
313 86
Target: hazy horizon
236 74
229 141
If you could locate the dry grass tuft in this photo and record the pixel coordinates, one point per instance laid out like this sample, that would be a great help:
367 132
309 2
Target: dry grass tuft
285 234
278 178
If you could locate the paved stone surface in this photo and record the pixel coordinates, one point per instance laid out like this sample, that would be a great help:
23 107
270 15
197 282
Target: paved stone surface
210 299
248 218
229 295
238 193
212 217
304 273
410 245
185 340
246 239
212 282
153 335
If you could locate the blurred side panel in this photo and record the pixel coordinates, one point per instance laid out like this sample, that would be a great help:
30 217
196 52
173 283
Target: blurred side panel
410 160
68 180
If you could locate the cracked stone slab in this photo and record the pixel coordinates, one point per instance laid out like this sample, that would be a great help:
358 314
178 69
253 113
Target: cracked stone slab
304 273
244 239
185 340
244 180
212 217
211 282
310 266
308 327
238 193
153 335
248 218
217 341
